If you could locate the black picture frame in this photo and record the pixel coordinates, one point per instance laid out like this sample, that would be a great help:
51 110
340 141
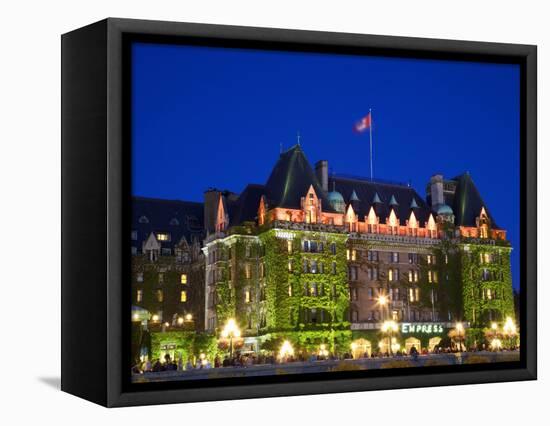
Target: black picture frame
95 209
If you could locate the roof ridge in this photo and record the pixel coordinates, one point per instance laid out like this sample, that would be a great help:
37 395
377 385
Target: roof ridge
165 200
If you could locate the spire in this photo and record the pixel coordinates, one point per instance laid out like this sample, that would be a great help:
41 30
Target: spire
413 204
393 201
376 199
354 196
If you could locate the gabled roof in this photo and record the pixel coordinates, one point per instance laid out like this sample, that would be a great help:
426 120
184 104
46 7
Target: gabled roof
466 202
290 180
179 218
367 190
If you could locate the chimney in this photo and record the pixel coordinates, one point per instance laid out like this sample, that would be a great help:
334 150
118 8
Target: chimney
436 190
321 170
211 198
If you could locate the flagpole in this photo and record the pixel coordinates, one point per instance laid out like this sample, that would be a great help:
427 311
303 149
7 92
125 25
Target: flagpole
370 134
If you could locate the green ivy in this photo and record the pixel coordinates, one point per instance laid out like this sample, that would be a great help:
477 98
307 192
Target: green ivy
475 307
188 344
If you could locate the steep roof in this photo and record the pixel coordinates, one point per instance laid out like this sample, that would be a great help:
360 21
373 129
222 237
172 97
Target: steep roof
290 180
366 191
178 218
466 202
246 206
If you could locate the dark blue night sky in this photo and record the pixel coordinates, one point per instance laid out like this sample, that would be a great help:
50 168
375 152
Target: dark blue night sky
215 117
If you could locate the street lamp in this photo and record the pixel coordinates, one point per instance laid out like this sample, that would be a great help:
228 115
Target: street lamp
383 301
230 331
286 350
390 327
459 327
323 351
509 329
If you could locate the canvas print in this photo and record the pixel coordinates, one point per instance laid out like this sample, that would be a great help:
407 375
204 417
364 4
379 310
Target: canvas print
298 212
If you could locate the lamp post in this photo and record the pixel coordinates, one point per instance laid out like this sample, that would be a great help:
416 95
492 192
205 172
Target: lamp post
382 301
509 329
389 327
230 331
459 327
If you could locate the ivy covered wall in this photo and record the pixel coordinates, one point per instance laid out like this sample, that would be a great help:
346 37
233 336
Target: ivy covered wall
486 268
299 280
186 344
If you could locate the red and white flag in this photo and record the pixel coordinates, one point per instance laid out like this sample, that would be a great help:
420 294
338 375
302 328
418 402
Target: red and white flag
364 124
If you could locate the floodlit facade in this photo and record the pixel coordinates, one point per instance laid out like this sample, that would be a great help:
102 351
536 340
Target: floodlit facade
314 259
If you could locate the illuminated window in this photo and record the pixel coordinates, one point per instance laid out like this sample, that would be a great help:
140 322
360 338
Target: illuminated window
446 259
183 278
483 231
414 294
348 254
139 277
160 296
139 295
289 265
161 278
289 246
289 290
247 296
354 254
163 236
395 315
183 296
313 289
247 270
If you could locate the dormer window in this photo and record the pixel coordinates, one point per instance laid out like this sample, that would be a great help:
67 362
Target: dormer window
372 222
412 225
163 236
432 228
174 222
143 219
393 223
483 231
